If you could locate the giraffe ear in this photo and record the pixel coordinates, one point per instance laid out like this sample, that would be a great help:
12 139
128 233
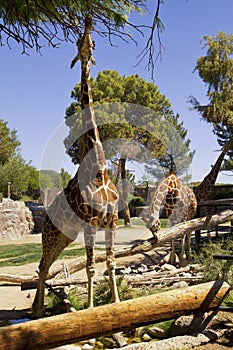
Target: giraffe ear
93 61
74 61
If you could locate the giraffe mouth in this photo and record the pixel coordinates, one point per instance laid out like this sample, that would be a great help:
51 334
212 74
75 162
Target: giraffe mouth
155 235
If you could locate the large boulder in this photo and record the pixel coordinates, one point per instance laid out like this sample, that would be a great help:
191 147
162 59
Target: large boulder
15 220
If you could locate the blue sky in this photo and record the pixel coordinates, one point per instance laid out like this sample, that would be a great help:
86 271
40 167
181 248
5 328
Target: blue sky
35 89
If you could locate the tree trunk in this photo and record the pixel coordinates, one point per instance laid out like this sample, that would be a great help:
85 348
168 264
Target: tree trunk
50 332
127 220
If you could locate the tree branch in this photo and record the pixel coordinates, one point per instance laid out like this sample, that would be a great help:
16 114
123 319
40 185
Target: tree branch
149 49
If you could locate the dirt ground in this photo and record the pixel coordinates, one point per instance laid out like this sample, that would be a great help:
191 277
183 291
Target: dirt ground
11 296
15 303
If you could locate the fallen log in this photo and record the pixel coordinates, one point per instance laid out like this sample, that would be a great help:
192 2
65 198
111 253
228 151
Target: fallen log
147 245
55 283
5 277
163 281
50 332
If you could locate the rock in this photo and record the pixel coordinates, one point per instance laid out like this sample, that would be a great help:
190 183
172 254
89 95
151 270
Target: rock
127 270
156 332
168 267
15 220
181 284
186 325
139 332
87 347
143 268
146 337
92 341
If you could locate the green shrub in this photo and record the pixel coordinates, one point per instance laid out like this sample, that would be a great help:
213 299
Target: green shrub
25 198
103 294
216 269
137 202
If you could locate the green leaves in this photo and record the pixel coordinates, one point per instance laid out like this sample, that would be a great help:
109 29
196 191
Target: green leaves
29 21
127 108
216 70
8 142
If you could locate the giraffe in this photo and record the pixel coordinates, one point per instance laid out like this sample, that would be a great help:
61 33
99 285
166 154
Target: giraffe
90 199
205 191
180 205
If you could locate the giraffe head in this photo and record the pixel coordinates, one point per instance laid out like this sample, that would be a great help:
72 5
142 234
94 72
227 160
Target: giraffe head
85 45
153 224
85 48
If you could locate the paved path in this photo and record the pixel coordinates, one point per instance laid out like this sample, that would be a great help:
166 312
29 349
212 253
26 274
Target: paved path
124 235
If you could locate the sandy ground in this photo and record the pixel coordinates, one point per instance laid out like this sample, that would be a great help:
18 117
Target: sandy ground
11 296
14 302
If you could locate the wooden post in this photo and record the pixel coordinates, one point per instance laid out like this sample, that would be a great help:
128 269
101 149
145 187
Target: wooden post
50 332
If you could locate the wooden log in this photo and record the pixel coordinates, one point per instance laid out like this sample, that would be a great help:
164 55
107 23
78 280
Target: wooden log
5 277
147 245
164 281
55 283
50 332
222 257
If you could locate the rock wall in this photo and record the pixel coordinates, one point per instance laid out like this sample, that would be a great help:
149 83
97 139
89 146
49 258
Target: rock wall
38 213
15 220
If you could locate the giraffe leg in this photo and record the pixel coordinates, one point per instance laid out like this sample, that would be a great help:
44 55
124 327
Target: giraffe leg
182 255
38 303
89 235
111 266
52 247
110 262
189 237
172 256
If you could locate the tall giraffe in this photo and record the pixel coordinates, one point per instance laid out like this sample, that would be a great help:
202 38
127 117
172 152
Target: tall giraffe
89 201
180 205
205 191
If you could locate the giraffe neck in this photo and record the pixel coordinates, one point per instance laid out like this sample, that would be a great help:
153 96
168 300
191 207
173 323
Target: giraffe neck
92 144
160 193
210 179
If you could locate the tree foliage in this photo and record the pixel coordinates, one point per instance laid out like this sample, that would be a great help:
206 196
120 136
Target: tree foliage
216 71
8 142
121 106
178 157
31 22
51 178
65 177
139 125
15 171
